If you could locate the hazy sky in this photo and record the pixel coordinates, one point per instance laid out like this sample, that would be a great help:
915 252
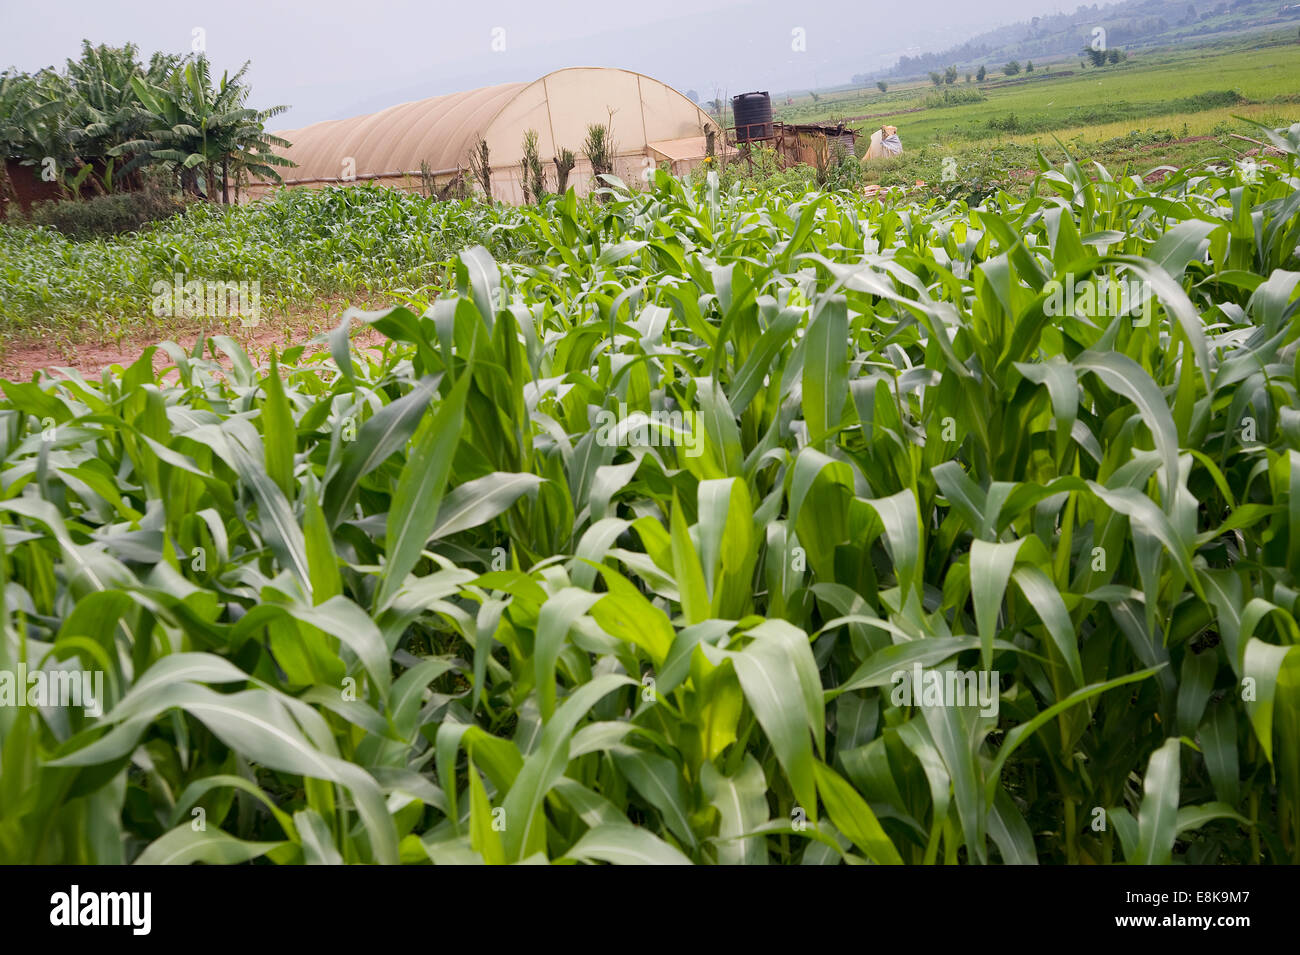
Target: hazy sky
334 58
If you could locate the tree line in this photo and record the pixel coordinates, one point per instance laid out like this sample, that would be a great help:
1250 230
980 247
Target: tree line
97 125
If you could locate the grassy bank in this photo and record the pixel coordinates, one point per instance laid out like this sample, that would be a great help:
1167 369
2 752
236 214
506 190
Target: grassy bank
302 245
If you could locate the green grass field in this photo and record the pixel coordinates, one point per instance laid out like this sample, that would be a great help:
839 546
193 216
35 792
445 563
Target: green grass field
303 245
1152 90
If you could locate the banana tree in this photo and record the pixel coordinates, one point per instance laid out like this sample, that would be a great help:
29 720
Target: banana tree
202 132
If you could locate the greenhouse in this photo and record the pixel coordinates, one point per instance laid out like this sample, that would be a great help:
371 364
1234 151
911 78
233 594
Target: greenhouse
431 142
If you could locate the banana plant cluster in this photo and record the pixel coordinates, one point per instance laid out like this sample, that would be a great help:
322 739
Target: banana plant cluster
414 605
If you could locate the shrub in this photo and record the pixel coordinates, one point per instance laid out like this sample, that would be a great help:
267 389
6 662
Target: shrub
842 171
532 174
1006 124
599 149
954 97
981 175
103 216
564 163
761 170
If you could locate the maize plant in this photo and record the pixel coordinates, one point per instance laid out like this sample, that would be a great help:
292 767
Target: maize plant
670 545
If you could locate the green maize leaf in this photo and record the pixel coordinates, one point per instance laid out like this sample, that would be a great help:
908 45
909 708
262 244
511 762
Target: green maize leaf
414 511
852 816
545 765
184 846
483 834
279 434
1158 814
380 437
316 839
1262 664
624 844
742 808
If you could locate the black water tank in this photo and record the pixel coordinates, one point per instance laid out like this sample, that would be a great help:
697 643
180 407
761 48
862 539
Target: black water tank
753 114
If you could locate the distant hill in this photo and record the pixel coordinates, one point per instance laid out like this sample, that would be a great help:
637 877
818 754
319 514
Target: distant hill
1128 24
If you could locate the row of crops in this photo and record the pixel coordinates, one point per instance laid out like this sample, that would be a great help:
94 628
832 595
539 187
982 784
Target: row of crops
304 244
618 555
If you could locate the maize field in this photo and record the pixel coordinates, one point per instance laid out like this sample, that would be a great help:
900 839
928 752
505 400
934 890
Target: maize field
651 543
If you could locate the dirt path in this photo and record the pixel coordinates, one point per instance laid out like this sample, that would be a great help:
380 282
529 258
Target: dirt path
24 358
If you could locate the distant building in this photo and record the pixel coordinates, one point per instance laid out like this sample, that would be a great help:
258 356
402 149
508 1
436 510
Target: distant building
650 123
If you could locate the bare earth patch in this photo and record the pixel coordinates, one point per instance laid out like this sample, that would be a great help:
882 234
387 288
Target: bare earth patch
24 358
